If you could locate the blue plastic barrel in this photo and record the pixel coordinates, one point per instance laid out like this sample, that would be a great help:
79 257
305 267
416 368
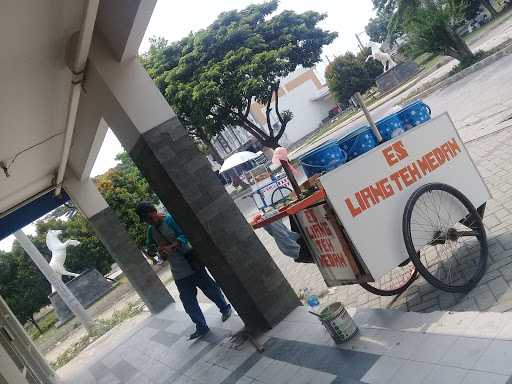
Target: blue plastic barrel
414 114
358 142
323 159
390 126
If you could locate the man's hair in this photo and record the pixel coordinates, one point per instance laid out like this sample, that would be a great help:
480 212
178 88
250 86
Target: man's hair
143 209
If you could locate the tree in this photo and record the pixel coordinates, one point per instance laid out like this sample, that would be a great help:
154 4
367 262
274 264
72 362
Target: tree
377 27
212 77
123 187
431 28
349 74
22 285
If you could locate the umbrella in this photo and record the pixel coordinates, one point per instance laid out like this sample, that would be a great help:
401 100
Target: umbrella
237 159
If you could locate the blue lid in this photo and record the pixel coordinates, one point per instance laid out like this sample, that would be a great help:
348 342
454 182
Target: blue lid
388 117
355 132
324 145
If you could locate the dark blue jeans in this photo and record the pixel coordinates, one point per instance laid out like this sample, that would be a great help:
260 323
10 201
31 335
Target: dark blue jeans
188 296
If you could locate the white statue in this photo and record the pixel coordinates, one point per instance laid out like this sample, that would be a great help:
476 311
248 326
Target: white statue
383 57
58 249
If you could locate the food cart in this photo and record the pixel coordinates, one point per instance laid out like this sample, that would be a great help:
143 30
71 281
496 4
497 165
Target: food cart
405 207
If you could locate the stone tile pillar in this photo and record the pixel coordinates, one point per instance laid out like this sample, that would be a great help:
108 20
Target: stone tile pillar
182 178
115 238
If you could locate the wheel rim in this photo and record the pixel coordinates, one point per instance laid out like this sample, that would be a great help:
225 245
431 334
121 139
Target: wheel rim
395 280
449 238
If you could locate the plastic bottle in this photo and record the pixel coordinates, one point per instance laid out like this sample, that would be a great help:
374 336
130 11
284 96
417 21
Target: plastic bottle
311 300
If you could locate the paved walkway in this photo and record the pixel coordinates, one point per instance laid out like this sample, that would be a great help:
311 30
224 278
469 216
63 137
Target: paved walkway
391 347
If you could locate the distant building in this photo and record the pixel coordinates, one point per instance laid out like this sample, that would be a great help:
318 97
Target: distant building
310 101
303 93
234 139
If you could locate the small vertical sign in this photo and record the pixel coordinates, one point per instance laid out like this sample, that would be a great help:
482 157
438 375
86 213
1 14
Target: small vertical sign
328 246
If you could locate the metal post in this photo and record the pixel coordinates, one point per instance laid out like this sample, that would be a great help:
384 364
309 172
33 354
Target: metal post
361 103
361 46
66 295
289 173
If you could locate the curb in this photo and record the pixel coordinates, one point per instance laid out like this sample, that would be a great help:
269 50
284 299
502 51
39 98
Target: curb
464 73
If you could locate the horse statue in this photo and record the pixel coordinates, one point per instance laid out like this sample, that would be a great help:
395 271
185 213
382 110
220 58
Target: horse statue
58 249
380 56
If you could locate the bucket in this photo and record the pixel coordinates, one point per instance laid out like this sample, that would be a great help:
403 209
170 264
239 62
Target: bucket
414 114
338 322
323 159
390 126
358 142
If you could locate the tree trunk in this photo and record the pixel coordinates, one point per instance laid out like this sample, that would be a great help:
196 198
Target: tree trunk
214 153
462 52
487 4
271 142
34 322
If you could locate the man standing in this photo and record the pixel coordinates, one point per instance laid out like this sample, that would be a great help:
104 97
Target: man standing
188 272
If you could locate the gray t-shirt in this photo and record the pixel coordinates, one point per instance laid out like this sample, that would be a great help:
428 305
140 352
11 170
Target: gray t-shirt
180 267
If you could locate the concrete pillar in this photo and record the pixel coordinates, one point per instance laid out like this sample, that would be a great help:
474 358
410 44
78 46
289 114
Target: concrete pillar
115 238
65 294
182 178
15 342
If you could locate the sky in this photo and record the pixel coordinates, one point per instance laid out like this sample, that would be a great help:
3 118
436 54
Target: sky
174 20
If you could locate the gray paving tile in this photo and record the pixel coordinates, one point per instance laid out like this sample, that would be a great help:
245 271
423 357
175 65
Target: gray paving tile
497 358
412 372
408 344
124 371
433 348
383 370
165 338
179 328
158 323
311 376
278 372
99 370
332 360
257 365
445 375
109 379
245 380
465 352
208 374
474 377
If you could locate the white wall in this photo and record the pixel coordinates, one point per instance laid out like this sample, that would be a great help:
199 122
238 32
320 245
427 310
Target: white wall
307 114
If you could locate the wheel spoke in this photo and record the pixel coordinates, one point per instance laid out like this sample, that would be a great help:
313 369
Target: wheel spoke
445 237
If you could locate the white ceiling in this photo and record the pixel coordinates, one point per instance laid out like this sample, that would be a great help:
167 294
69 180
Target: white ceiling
35 83
34 90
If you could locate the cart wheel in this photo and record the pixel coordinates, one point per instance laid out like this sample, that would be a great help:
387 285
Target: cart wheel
445 237
281 194
394 282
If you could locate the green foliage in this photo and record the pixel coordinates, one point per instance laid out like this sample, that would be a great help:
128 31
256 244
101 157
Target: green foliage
431 28
349 74
124 187
22 286
377 27
480 55
211 77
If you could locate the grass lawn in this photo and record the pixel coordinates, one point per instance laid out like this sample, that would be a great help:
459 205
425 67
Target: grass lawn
45 323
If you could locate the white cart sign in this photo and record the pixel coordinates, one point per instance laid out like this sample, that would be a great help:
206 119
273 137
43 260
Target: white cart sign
369 193
327 245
